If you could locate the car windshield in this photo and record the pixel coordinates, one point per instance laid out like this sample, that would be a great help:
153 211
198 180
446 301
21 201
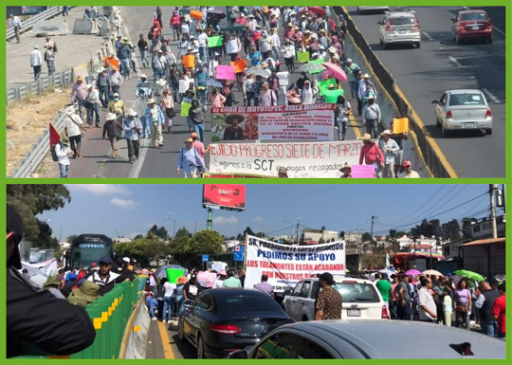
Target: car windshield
401 21
466 99
358 292
248 303
473 16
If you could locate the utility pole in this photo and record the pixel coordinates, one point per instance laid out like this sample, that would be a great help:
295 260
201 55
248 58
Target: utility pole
492 188
209 222
298 230
373 222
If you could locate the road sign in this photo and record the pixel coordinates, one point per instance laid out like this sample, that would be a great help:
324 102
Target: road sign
239 253
206 258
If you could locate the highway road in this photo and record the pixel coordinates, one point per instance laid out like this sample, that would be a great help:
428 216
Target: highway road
154 163
439 65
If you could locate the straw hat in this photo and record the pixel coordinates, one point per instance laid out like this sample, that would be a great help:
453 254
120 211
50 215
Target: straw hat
70 110
132 113
143 76
345 167
79 78
64 141
111 116
151 101
366 137
100 70
189 140
387 132
161 82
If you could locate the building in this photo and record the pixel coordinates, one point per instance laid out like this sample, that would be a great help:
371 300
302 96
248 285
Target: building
319 235
406 242
354 237
229 245
122 240
485 256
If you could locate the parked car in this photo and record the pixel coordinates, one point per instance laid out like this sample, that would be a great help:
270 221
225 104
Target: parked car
464 109
361 299
399 27
472 24
373 340
367 9
225 320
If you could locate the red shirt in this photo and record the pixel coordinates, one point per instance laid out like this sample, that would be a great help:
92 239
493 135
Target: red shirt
498 309
370 154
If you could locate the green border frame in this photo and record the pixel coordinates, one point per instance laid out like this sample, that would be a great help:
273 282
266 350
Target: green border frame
293 181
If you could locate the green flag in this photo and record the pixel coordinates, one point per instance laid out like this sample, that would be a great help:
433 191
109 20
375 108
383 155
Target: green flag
331 96
173 274
214 41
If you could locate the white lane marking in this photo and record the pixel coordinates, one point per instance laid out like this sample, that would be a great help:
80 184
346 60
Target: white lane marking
143 150
495 28
491 96
454 60
428 36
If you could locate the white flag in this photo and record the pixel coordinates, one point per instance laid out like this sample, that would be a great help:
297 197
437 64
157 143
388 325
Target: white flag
387 261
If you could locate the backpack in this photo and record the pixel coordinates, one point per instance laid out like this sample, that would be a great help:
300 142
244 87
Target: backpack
53 152
55 47
150 35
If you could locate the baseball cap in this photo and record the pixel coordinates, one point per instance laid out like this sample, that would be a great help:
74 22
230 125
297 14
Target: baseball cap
126 259
106 260
15 225
407 163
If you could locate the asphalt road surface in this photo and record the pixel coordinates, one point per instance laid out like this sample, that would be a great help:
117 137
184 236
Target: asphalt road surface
154 163
425 74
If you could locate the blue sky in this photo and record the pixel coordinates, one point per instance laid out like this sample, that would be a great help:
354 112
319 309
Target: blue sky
132 209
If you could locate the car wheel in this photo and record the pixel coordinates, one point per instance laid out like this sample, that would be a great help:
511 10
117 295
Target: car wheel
181 332
418 44
488 132
446 132
200 348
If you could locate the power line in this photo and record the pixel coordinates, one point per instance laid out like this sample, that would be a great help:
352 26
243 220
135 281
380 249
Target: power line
449 200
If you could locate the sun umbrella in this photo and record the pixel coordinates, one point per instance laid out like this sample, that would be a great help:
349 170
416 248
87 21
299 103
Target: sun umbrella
317 10
470 275
306 12
213 82
308 67
257 71
335 71
217 13
413 272
234 28
432 272
386 271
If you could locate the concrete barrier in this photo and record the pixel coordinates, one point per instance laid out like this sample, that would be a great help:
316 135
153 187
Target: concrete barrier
85 26
134 341
51 27
104 27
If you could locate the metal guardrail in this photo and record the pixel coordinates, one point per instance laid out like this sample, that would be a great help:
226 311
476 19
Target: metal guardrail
60 79
29 23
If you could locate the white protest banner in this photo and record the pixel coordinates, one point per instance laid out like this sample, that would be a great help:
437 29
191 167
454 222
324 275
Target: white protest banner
49 267
303 160
286 123
286 265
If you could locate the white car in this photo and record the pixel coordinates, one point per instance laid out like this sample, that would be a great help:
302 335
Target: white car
361 299
365 9
399 27
463 109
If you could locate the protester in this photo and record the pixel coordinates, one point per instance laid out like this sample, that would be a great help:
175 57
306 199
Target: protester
104 275
329 302
498 311
192 289
167 106
232 281
79 95
393 301
463 304
346 171
384 288
389 148
36 62
49 58
154 115
132 128
189 161
88 292
447 307
427 306
371 154
37 317
151 302
180 282
73 130
169 301
16 24
484 305
341 115
63 152
409 173
92 105
112 129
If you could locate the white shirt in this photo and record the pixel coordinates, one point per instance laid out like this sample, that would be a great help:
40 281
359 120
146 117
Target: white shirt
233 45
36 59
425 299
218 284
96 278
276 42
62 154
412 175
169 290
185 28
72 125
16 22
202 39
289 51
38 280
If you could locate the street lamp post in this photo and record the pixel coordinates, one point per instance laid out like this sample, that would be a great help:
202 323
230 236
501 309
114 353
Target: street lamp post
118 234
174 224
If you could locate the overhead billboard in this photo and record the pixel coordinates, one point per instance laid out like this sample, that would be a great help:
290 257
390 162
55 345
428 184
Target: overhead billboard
225 196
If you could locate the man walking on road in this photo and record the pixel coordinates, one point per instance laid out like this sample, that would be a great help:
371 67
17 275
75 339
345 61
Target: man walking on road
79 95
143 50
329 302
63 151
189 161
104 87
49 58
372 117
125 54
265 287
93 105
116 80
426 303
36 62
73 130
132 131
16 24
154 115
389 148
484 304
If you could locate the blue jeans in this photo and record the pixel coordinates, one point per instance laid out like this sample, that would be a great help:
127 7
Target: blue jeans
199 129
151 302
104 95
404 312
489 328
116 90
146 127
168 307
202 54
342 129
354 88
393 309
179 307
144 58
64 169
125 65
190 123
91 112
159 73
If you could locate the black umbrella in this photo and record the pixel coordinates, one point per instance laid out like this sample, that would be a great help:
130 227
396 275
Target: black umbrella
234 28
217 13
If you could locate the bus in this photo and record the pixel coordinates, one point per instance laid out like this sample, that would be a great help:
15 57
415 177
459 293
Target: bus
86 249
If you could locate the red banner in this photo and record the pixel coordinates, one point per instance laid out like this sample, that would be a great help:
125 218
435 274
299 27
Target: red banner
54 135
224 196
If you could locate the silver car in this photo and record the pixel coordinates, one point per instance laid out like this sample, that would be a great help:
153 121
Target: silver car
373 340
465 109
399 27
366 9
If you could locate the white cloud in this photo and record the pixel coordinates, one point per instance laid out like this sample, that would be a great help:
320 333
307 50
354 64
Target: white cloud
225 220
122 203
100 188
258 219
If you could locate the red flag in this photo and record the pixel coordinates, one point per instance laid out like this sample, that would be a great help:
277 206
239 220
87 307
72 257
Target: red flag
54 135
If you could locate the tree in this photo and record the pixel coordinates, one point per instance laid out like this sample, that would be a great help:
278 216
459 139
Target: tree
367 237
187 251
451 230
467 227
71 238
30 200
138 237
261 235
44 238
183 232
400 234
159 231
342 234
392 233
